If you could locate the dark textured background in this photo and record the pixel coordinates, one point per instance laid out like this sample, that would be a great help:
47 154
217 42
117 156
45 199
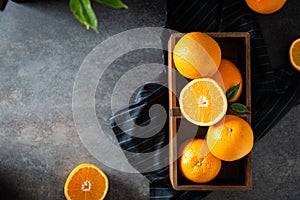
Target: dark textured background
41 49
280 29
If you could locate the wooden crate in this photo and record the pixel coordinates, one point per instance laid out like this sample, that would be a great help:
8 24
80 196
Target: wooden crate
236 175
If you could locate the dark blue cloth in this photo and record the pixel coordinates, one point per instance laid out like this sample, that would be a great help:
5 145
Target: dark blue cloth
274 92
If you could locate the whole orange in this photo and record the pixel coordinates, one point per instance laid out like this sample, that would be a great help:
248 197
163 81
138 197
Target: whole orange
265 6
228 76
197 55
196 162
230 139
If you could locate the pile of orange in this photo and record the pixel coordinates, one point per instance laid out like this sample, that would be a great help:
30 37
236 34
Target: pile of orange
229 140
203 102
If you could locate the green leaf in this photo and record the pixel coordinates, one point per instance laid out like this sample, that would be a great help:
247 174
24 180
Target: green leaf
231 92
83 11
113 3
240 108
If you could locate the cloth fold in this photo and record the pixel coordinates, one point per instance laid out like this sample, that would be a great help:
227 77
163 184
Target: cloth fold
230 16
274 92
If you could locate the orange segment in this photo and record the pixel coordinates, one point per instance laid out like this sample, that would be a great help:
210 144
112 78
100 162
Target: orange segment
265 6
86 182
295 54
197 163
197 55
203 102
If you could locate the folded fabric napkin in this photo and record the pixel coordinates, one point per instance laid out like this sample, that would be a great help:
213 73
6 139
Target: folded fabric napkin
274 93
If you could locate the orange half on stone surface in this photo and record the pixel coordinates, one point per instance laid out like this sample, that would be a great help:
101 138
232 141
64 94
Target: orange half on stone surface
203 102
295 54
86 182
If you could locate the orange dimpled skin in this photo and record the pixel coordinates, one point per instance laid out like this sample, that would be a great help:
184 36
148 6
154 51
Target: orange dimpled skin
196 162
265 6
230 139
197 55
228 76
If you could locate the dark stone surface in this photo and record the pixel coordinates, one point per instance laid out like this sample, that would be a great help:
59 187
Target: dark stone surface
41 49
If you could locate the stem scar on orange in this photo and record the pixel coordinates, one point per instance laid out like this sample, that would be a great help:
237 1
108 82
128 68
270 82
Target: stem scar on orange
86 182
265 6
230 139
196 162
197 55
229 76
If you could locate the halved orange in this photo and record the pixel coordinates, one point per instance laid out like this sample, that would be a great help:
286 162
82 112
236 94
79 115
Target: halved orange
203 102
86 182
295 54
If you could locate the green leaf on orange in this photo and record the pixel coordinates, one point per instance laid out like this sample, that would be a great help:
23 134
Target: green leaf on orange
231 92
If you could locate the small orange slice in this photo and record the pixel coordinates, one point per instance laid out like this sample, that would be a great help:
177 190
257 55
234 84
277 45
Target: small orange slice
203 102
86 182
295 54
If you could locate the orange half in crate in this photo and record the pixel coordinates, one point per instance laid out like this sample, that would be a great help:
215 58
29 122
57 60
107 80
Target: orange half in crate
203 102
